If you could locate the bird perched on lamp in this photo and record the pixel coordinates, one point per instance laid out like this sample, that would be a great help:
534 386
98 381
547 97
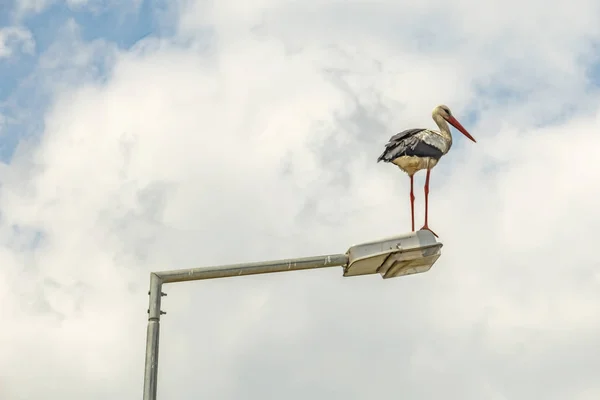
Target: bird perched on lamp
413 150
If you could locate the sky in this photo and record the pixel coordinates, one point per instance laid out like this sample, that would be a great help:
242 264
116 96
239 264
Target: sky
139 136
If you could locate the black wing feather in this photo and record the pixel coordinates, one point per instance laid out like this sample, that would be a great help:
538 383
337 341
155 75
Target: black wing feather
404 134
406 143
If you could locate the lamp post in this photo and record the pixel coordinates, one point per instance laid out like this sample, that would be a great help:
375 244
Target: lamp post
392 257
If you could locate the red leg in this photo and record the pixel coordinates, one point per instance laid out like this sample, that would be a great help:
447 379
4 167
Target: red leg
412 204
426 226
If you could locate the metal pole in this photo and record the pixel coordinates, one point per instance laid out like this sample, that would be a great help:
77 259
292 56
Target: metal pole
152 336
225 271
264 267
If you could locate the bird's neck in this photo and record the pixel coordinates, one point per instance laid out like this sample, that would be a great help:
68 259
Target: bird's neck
444 127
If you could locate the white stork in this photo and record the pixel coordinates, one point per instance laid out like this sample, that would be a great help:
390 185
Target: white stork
415 149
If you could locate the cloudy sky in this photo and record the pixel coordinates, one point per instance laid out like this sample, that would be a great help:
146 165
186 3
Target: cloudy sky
138 136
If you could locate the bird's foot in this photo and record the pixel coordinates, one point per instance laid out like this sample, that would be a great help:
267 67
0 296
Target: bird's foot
426 228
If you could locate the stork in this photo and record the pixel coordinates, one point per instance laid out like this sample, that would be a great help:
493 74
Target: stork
413 150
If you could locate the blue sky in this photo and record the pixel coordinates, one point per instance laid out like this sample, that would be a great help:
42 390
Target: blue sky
122 26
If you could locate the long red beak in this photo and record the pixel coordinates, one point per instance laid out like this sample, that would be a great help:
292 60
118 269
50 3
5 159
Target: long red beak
458 126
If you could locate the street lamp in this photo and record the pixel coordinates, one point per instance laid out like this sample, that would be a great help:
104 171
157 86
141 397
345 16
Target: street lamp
392 257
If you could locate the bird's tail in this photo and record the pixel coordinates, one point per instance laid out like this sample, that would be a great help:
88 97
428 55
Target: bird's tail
385 156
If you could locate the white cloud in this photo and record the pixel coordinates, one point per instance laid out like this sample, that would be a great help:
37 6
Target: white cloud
15 37
262 145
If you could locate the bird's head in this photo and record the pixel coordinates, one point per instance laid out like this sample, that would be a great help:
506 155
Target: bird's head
444 112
